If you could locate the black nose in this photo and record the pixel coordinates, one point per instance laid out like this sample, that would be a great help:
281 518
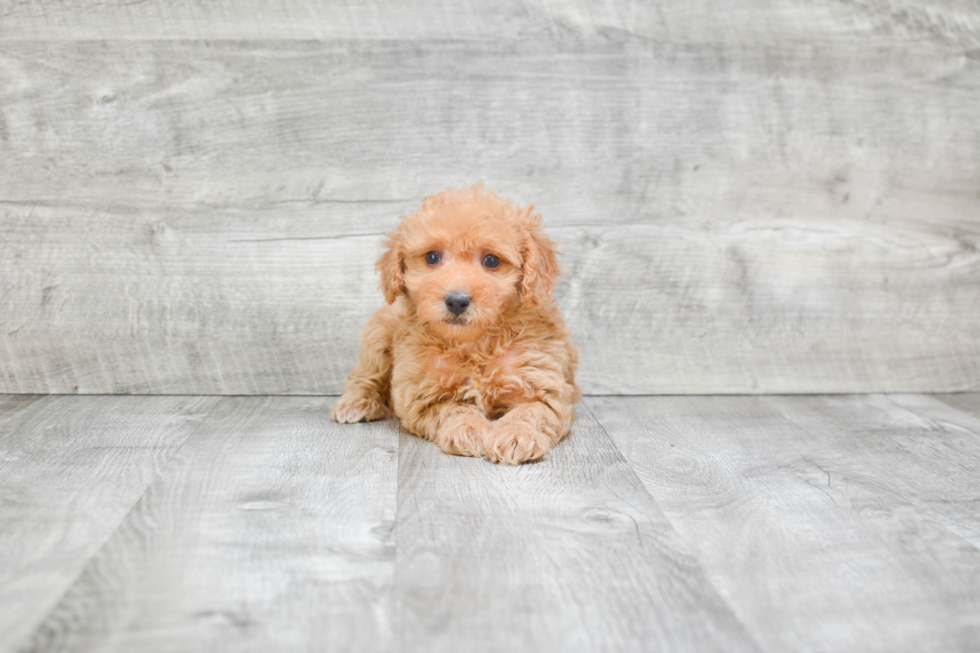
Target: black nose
457 302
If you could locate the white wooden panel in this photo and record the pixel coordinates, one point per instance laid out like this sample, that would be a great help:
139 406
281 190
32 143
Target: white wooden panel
592 132
739 21
735 219
261 302
211 302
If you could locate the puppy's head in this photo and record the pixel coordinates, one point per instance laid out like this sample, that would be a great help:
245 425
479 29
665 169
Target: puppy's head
466 258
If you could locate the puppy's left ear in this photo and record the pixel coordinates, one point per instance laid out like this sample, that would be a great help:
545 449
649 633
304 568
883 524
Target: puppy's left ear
391 266
540 261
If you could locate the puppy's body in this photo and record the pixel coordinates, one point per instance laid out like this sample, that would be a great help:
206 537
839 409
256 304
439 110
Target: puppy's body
471 351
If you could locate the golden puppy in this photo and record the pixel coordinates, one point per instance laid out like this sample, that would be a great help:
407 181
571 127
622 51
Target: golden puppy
471 352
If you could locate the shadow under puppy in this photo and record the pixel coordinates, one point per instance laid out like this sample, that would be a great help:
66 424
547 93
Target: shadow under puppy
471 352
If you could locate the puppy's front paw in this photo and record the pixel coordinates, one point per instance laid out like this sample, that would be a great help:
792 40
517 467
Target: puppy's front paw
515 442
352 408
464 435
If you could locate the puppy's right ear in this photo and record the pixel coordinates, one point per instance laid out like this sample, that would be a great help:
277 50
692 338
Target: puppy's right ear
391 266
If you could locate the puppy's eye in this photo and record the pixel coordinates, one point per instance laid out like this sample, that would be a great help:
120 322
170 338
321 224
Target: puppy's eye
491 261
433 257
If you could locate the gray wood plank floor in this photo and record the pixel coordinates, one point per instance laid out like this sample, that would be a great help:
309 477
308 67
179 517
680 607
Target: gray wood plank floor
762 523
71 468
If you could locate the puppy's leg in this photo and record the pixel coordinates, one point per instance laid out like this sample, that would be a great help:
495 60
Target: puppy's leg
527 431
457 428
365 396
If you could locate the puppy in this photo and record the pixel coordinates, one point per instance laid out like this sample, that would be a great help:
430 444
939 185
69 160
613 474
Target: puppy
471 352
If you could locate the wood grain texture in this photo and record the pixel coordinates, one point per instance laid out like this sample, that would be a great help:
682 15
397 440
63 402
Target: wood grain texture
718 308
927 451
270 530
569 554
968 402
202 217
593 131
738 21
830 523
70 470
819 519
223 302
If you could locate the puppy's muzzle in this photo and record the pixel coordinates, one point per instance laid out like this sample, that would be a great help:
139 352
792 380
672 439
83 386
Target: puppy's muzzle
457 303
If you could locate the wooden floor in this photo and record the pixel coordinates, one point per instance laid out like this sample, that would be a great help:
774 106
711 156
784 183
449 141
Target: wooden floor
728 523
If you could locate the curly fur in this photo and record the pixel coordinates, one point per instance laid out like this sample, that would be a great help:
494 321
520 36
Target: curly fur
498 381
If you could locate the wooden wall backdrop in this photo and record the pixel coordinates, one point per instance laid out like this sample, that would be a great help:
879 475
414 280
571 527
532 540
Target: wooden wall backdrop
752 195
